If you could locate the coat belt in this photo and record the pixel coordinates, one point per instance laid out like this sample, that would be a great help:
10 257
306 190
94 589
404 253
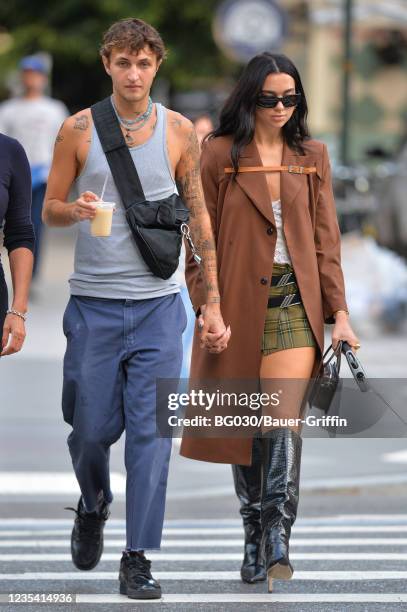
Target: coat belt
291 169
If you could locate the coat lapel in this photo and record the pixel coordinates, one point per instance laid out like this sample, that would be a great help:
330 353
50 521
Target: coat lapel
254 184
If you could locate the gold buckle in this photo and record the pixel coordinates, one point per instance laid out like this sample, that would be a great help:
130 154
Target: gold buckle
296 169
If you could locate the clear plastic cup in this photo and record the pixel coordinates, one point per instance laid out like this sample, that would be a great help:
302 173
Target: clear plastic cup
101 224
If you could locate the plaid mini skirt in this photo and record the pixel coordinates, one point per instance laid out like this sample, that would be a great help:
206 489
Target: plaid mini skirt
287 327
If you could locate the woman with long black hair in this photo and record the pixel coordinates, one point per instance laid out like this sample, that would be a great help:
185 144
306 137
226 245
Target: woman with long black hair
15 213
268 190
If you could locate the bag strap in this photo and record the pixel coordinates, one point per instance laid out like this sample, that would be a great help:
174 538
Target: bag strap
118 156
337 352
291 169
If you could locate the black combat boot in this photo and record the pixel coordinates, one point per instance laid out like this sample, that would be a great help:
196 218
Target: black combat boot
135 577
87 535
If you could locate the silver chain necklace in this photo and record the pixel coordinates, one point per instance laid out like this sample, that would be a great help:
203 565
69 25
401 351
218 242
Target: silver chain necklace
127 123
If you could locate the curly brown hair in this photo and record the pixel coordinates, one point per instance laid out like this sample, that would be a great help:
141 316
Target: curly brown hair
133 34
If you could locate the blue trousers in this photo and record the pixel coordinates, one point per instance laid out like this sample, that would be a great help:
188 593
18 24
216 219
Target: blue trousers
116 349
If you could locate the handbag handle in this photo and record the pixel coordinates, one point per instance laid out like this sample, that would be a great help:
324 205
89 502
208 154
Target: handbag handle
336 352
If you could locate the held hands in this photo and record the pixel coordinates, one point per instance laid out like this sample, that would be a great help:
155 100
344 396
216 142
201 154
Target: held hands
83 208
13 335
214 333
343 331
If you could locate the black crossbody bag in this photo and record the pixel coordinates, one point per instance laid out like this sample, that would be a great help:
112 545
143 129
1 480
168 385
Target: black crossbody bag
156 226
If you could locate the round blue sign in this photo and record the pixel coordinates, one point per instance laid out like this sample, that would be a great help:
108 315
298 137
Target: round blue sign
243 28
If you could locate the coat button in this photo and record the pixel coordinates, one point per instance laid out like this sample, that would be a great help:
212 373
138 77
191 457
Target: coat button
264 280
270 230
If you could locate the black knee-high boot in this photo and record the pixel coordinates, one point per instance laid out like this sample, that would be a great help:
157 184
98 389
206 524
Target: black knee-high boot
247 479
280 494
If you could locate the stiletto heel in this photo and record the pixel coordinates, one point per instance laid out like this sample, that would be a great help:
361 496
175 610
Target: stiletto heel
281 571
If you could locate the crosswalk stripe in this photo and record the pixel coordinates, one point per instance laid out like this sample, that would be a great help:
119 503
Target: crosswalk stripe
339 556
344 519
325 575
252 598
215 543
204 531
395 456
30 535
60 484
50 483
348 531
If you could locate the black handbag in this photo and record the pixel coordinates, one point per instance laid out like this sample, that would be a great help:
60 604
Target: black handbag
327 382
328 395
157 226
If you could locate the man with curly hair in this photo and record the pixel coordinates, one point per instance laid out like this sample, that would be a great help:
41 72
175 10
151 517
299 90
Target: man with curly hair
123 324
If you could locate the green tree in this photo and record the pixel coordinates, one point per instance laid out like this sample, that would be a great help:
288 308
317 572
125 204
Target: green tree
71 32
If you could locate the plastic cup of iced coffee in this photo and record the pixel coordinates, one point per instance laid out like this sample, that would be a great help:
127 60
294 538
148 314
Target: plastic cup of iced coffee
101 224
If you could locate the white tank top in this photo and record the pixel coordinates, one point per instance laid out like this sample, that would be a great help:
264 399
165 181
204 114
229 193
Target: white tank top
281 254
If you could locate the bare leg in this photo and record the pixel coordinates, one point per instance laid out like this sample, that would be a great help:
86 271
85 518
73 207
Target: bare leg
276 370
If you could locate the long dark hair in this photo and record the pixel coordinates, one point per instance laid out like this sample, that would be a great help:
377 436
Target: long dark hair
237 116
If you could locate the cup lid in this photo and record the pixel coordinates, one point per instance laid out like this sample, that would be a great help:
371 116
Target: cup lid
106 205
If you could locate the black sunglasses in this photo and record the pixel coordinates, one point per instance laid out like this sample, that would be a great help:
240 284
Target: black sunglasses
267 101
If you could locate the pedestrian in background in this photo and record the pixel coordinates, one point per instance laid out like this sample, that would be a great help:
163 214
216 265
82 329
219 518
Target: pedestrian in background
15 213
203 126
268 190
34 120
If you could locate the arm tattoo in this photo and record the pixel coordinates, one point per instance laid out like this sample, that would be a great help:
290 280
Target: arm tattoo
59 137
189 183
190 188
176 122
81 123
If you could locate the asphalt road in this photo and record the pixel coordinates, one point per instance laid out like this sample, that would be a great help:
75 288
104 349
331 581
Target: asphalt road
349 544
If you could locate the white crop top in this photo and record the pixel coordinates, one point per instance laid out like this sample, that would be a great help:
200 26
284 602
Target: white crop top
281 254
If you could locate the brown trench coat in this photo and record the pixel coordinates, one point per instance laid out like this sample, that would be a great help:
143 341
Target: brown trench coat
242 216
